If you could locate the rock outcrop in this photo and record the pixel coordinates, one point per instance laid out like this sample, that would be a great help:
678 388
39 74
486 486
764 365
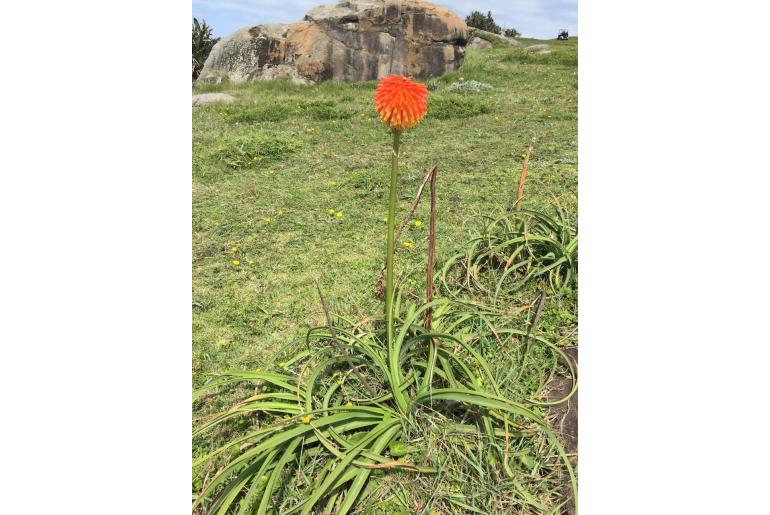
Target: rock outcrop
491 36
352 41
479 43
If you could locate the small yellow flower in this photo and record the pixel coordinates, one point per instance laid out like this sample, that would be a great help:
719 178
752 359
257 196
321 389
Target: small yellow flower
234 250
408 244
418 223
236 262
305 420
282 364
267 219
339 214
385 220
340 382
333 183
349 404
331 211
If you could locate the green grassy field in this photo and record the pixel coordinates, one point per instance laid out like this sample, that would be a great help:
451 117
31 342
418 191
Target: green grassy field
289 187
267 168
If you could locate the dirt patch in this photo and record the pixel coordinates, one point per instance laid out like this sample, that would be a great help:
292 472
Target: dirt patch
564 417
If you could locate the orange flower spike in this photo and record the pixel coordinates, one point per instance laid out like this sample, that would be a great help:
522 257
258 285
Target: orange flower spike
400 102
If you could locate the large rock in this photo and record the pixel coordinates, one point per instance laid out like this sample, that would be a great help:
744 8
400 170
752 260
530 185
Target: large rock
351 41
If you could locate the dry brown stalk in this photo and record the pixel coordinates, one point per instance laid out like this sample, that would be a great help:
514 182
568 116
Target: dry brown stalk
431 250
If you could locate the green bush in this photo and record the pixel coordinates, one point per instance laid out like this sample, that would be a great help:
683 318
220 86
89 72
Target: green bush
250 149
511 33
235 113
444 107
202 43
479 21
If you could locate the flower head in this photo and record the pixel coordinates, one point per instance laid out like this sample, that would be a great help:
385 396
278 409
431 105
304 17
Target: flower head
400 102
236 262
408 244
305 420
418 223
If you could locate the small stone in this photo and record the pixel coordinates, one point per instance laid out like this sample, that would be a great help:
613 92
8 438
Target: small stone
205 99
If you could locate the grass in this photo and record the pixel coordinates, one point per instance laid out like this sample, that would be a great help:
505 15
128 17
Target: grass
242 314
267 168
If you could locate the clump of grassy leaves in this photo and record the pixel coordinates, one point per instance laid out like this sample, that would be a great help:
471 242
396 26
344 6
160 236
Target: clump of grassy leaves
512 250
311 435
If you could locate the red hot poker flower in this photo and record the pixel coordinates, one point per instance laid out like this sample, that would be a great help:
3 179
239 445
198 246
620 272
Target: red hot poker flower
400 102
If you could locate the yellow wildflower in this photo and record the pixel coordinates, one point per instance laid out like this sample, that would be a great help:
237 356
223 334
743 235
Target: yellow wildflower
236 262
234 250
349 404
331 211
339 214
305 420
418 223
408 244
282 364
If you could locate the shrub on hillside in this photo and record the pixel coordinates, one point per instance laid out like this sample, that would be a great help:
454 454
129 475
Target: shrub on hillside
477 20
512 33
202 43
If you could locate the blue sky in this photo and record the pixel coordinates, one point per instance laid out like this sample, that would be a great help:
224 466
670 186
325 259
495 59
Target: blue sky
535 18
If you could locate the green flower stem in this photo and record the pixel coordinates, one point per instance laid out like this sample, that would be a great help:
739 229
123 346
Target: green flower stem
391 238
